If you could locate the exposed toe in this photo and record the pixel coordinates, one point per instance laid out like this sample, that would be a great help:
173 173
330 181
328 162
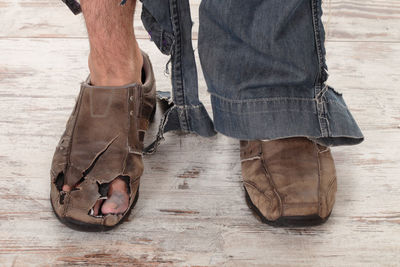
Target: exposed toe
118 198
116 203
66 188
97 206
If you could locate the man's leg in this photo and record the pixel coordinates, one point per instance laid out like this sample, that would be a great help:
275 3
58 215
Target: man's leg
115 60
264 64
115 57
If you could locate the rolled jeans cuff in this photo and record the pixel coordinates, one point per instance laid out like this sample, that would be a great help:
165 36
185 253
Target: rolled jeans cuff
185 119
325 119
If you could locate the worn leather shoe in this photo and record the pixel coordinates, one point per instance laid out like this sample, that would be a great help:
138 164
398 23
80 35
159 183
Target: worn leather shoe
289 182
103 140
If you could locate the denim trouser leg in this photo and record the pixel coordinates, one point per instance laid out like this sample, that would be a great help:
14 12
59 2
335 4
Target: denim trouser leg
264 64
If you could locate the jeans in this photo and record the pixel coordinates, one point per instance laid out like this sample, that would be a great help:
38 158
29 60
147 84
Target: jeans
264 65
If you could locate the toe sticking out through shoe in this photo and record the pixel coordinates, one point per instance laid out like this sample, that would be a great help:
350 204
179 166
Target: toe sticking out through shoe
103 138
87 227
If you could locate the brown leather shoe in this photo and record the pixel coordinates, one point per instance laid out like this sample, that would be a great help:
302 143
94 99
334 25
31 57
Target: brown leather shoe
103 140
289 182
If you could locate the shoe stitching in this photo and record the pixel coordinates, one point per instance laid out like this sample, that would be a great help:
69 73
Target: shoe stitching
270 181
319 179
79 104
330 187
255 187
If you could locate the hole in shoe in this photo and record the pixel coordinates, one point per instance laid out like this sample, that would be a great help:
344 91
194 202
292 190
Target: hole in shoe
92 164
59 181
127 180
103 188
115 198
76 186
62 196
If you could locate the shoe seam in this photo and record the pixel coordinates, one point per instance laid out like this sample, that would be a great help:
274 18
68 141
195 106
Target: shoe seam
255 187
319 177
79 103
269 179
331 185
74 115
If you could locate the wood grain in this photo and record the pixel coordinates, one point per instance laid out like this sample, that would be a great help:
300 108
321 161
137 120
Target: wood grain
191 210
372 20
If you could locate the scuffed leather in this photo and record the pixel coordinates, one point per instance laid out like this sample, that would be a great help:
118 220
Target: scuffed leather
103 139
289 177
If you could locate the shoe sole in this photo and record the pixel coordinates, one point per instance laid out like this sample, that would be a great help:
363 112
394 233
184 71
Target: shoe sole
88 227
288 221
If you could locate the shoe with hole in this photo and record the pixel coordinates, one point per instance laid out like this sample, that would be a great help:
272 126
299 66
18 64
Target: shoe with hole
103 140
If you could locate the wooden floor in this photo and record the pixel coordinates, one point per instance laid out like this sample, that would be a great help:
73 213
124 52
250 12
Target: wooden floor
192 210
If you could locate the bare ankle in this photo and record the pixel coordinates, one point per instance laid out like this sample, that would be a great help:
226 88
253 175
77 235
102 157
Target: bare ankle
115 69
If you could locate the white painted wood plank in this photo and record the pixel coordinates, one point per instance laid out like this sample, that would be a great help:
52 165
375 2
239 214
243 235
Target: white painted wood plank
370 20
